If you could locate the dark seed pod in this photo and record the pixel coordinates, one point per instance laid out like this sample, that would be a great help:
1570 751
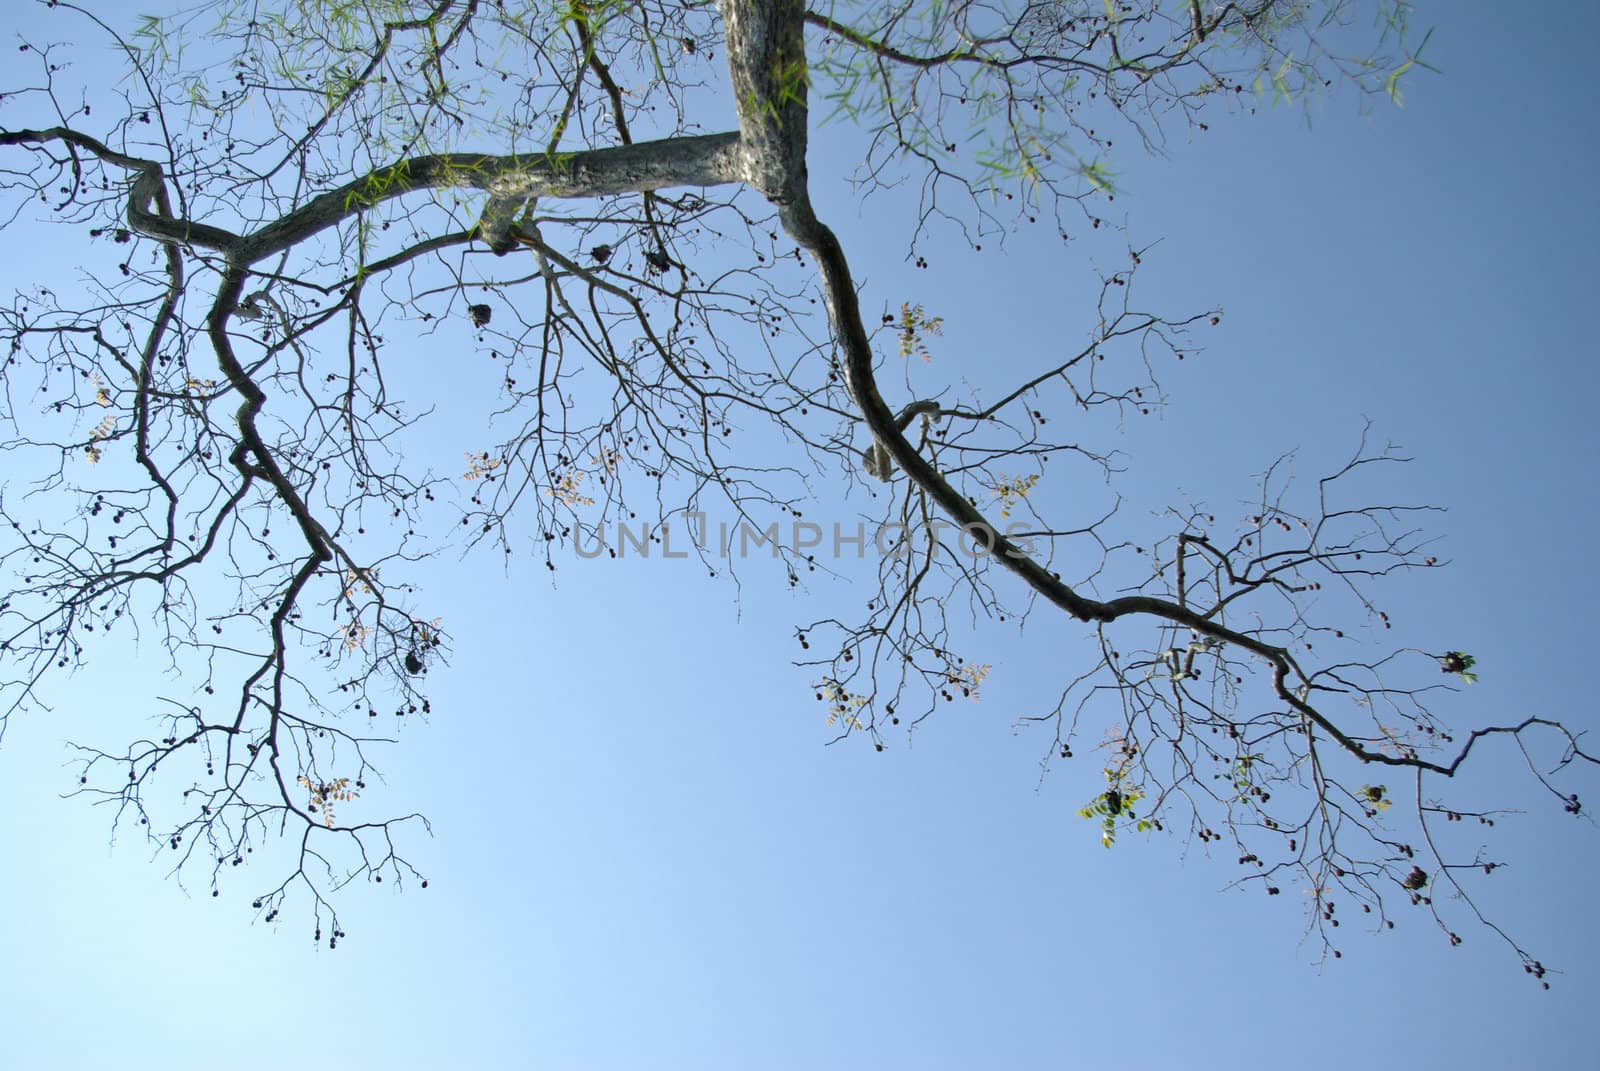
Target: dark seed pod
413 663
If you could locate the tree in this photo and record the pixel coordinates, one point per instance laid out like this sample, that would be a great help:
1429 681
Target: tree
211 449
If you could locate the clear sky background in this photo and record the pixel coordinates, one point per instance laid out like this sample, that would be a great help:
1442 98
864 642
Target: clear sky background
644 855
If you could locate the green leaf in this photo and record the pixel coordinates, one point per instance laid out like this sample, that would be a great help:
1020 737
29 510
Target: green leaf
1098 176
1392 84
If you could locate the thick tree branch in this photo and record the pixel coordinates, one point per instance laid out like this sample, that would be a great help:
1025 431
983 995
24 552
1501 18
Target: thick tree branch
704 160
762 40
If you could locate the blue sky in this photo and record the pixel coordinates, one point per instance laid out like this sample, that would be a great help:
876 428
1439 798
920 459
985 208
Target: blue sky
643 855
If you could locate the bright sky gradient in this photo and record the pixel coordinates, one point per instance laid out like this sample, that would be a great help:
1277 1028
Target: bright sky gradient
645 857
